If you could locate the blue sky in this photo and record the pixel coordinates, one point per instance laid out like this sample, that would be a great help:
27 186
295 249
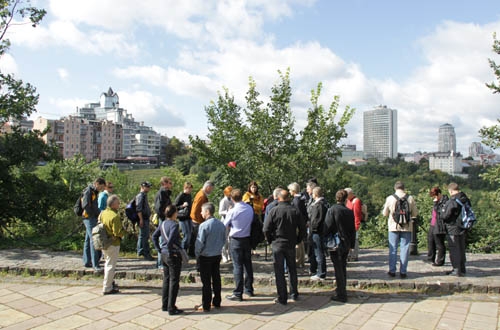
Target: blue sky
168 59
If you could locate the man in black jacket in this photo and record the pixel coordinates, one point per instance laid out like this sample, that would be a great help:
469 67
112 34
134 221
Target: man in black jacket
454 230
339 219
284 228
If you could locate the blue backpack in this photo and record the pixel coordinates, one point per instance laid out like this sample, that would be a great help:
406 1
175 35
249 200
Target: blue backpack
466 215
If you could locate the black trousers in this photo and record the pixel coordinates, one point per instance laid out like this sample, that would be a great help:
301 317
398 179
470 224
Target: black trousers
171 277
436 250
210 278
456 243
339 259
282 256
194 235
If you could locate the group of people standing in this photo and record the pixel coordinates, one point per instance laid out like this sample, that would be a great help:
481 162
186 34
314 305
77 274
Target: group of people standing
294 223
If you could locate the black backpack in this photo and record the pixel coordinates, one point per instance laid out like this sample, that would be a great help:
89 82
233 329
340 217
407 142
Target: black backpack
402 212
131 212
78 208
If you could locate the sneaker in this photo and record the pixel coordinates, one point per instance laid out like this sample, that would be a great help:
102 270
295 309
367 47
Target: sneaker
98 270
234 298
317 278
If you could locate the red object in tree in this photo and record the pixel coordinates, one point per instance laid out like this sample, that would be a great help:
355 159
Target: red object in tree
232 164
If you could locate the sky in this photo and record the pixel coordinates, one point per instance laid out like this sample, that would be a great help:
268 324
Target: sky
167 60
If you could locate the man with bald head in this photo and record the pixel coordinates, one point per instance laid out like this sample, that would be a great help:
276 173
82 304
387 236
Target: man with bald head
285 228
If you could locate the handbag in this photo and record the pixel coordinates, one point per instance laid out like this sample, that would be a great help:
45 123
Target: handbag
183 254
333 242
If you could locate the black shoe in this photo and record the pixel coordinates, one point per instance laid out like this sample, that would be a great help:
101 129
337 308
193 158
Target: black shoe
454 272
115 286
437 265
339 299
277 301
234 298
87 265
113 291
294 297
175 312
403 275
391 274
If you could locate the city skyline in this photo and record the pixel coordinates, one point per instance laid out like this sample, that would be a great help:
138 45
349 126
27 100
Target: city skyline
168 60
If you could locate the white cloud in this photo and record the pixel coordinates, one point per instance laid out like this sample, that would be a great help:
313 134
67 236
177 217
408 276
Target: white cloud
8 64
66 33
150 109
63 74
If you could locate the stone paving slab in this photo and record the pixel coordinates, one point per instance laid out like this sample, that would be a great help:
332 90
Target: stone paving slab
370 271
131 310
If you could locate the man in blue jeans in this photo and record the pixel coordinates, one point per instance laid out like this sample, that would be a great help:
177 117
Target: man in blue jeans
399 233
239 221
90 213
144 213
317 214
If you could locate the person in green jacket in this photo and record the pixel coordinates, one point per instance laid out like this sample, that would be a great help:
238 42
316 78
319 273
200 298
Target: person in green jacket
111 220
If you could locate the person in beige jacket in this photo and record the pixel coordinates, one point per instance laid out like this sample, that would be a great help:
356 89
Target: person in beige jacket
111 220
399 233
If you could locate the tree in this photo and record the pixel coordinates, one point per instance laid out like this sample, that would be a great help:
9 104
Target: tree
491 135
24 195
16 98
262 139
320 139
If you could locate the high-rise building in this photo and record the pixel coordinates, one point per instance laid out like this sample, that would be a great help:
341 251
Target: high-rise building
447 139
380 133
137 139
476 149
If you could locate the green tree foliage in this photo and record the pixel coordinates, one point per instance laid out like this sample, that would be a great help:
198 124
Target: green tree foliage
491 135
263 141
16 98
172 149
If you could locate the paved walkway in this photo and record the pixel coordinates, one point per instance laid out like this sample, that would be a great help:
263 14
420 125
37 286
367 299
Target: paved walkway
50 304
483 271
426 300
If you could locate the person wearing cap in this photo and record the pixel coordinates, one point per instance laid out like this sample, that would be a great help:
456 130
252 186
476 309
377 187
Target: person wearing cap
144 213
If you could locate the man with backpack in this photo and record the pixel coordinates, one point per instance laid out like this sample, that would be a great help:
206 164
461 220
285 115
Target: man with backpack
455 232
90 213
400 208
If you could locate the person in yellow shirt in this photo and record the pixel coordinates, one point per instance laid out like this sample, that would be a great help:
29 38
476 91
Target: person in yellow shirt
112 222
254 198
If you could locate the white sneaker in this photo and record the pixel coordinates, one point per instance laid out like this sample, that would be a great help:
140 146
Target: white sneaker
316 278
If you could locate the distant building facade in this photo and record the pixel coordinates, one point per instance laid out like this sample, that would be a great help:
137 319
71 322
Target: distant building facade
380 133
448 162
102 131
447 140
